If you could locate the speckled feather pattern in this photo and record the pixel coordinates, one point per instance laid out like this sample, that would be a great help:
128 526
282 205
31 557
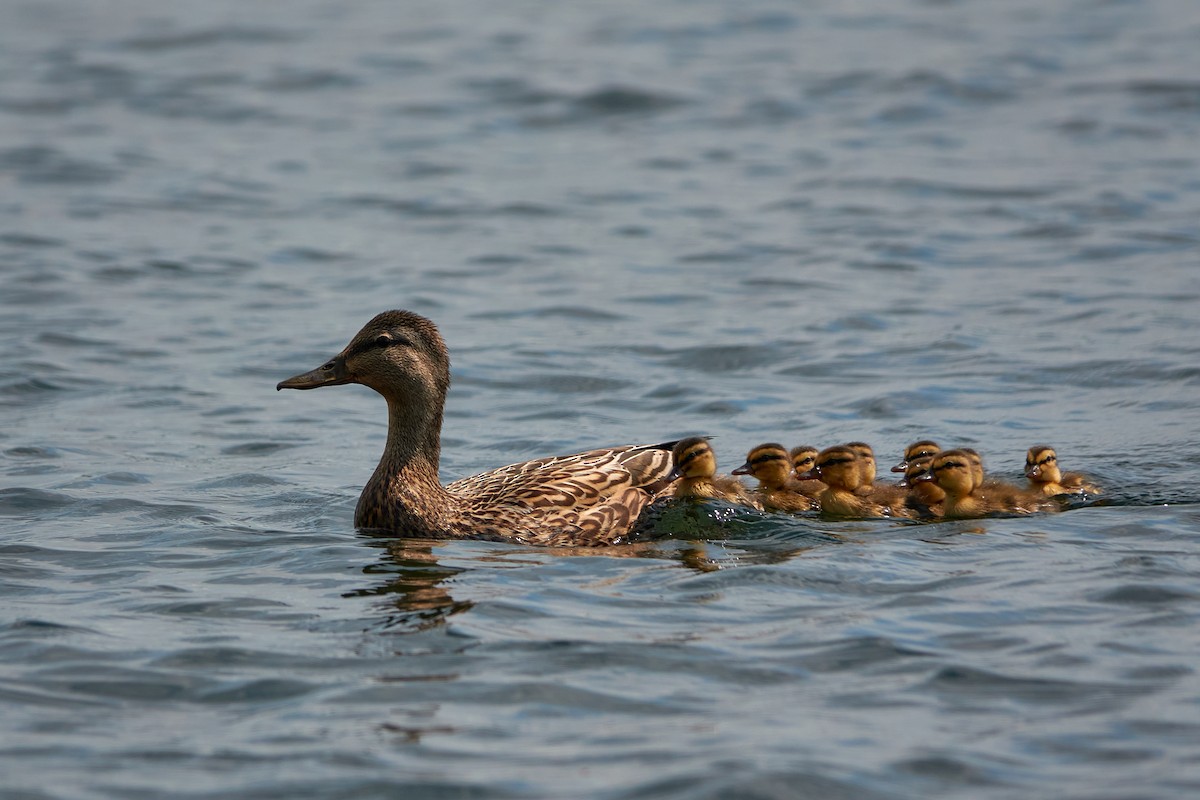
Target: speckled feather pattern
586 499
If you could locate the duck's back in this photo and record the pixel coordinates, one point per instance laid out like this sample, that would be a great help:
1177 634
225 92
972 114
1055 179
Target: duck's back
585 498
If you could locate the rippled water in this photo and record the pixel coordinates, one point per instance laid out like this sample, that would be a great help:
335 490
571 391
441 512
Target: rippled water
765 221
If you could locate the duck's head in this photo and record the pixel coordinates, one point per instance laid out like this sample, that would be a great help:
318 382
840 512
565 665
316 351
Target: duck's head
769 463
1041 465
953 471
866 460
839 467
804 458
693 458
399 354
924 449
976 464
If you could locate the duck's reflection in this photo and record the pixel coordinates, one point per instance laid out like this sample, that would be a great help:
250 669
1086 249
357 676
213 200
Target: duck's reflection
418 586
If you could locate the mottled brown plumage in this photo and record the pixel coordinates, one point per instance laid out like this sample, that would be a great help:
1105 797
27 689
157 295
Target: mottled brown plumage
591 498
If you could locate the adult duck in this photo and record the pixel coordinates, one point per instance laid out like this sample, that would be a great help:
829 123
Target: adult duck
590 498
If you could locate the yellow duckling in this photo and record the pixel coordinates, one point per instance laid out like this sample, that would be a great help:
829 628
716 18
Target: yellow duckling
772 467
804 458
1041 468
959 473
840 468
696 466
920 450
589 498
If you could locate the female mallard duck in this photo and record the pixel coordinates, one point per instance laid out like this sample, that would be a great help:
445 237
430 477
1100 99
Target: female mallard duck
771 466
695 465
959 473
841 469
804 458
1041 468
588 498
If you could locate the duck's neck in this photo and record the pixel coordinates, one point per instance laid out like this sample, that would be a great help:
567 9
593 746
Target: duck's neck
963 505
696 487
404 494
841 501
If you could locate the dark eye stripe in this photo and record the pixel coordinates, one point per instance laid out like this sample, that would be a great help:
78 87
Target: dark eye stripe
831 461
767 457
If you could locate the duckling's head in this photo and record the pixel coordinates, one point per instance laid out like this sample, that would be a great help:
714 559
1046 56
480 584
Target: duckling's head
976 464
924 449
839 467
953 471
804 458
399 354
693 458
769 463
866 460
1041 465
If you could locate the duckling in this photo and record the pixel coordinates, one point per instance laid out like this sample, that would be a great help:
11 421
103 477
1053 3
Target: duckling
772 467
925 498
840 468
590 498
866 463
804 457
1041 468
959 473
923 449
696 465
887 494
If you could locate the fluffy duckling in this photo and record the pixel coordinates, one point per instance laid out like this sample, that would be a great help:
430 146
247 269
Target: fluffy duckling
925 498
1041 468
866 463
841 469
923 449
695 465
959 473
779 490
804 458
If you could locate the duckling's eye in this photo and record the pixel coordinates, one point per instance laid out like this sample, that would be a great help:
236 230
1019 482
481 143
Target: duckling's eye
830 462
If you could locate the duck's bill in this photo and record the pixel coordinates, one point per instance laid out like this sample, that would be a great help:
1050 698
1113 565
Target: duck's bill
331 373
744 469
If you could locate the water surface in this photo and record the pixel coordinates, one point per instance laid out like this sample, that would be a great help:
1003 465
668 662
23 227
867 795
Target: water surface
971 221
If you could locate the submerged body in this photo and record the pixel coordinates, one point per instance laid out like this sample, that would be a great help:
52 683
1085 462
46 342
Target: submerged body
589 498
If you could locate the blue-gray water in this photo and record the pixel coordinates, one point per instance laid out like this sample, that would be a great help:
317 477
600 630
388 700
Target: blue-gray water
976 221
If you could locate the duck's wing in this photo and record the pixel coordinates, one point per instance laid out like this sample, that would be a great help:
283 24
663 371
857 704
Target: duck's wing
576 481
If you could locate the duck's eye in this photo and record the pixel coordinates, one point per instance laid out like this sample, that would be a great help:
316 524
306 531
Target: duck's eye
383 340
